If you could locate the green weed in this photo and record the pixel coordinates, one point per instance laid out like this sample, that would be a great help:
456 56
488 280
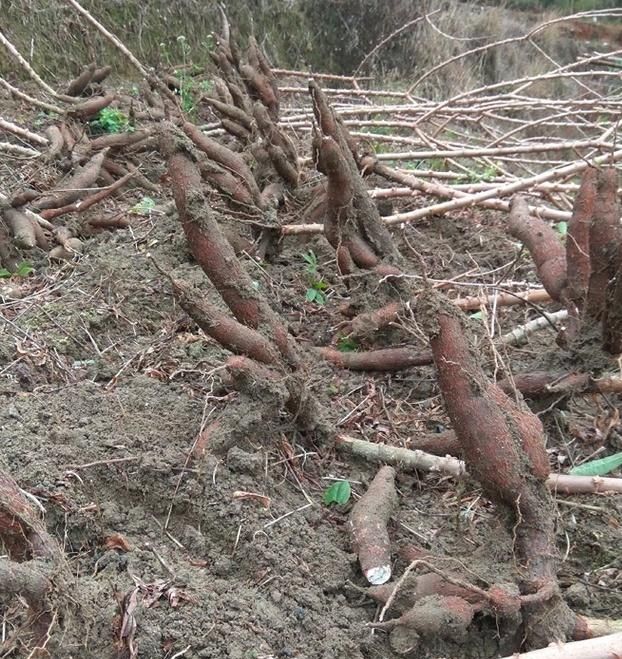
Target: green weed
110 120
23 270
316 285
339 492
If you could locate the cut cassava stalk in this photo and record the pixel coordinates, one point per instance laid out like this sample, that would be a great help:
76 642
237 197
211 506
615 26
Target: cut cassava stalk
605 647
426 459
35 102
395 455
519 335
19 151
368 526
23 133
570 484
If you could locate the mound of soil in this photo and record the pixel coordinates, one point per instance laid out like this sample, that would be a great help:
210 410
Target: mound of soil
106 385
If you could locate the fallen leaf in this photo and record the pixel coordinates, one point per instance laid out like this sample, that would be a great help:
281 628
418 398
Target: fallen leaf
117 541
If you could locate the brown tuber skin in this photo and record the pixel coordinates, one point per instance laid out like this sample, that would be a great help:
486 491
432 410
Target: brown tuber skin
503 447
435 616
543 245
368 526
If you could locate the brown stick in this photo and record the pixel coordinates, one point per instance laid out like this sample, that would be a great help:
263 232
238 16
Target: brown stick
386 359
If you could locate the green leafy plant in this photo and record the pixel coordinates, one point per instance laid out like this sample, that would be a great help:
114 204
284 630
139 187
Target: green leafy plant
23 270
598 467
189 89
485 175
562 228
347 344
339 492
143 207
316 285
111 120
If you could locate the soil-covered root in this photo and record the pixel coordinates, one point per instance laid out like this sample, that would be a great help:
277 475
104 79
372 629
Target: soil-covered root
503 446
368 526
78 85
441 616
76 187
605 237
578 240
231 334
31 556
543 244
25 231
214 253
91 107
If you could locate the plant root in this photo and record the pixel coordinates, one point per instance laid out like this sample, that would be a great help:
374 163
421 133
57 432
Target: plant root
368 526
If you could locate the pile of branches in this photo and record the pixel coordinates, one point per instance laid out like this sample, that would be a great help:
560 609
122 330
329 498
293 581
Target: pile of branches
260 174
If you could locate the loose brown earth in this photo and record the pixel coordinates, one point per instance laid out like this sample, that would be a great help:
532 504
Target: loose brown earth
106 385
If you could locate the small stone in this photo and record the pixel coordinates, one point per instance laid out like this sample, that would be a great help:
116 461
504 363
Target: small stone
193 539
244 462
12 412
222 566
276 595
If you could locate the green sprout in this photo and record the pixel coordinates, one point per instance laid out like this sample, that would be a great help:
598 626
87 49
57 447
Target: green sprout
316 285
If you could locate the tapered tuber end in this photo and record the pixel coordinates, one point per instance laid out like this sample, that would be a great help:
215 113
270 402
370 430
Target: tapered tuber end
368 525
376 576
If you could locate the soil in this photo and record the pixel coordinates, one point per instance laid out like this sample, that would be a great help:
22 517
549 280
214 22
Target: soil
106 384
